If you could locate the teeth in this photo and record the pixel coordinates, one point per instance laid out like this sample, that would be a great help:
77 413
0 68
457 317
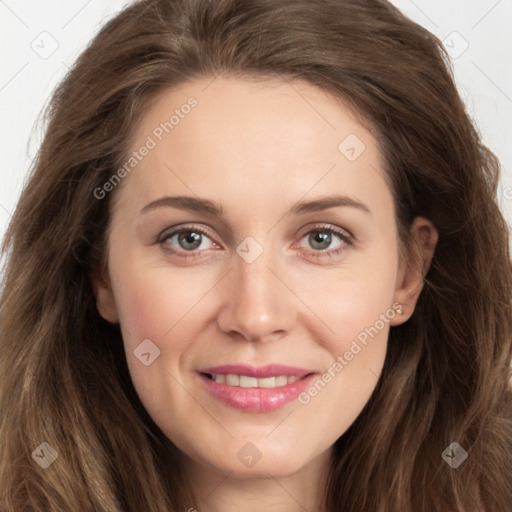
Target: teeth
232 380
245 381
282 380
248 382
267 382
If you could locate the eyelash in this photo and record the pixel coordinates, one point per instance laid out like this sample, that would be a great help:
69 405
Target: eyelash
346 238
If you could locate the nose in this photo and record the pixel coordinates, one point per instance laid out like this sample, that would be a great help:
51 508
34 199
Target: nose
259 306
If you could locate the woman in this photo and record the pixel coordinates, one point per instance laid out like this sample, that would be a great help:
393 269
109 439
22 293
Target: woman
258 263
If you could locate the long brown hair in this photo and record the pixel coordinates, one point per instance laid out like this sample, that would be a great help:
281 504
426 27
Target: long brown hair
64 378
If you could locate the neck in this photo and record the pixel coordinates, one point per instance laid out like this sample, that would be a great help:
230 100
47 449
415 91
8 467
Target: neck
301 491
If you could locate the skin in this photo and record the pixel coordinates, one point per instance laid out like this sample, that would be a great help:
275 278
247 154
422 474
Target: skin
256 149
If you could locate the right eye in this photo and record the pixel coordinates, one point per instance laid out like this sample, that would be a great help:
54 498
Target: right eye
190 239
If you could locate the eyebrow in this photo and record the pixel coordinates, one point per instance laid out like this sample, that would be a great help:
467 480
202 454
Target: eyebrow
199 205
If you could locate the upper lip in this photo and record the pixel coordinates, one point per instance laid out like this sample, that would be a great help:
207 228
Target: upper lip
259 372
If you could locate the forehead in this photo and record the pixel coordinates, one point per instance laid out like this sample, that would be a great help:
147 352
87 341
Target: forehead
238 109
271 138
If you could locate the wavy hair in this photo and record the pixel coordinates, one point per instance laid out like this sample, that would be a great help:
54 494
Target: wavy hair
64 377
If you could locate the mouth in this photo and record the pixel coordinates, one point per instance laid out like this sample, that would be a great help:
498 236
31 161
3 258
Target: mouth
255 389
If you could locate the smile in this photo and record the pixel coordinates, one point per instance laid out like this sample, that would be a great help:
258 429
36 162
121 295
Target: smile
255 389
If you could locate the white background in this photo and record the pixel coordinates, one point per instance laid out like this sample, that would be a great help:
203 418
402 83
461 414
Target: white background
32 29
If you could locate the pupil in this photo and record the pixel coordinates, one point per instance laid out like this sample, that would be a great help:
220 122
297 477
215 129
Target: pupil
321 239
189 240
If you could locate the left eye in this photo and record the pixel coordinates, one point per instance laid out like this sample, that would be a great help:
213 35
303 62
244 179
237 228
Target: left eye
322 239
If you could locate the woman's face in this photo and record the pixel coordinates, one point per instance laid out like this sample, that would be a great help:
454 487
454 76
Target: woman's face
253 266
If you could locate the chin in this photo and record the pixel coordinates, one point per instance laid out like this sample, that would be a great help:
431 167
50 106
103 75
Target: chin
259 458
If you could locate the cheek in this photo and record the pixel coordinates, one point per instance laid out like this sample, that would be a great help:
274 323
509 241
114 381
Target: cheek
358 350
356 303
364 313
153 302
157 305
358 310
360 319
167 307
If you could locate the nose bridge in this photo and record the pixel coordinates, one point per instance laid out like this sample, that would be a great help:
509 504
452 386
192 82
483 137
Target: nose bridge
254 281
258 302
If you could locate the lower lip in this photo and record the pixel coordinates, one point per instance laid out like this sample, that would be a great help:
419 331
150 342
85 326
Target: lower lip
257 399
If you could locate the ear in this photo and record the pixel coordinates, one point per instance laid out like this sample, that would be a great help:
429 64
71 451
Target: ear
414 266
104 296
